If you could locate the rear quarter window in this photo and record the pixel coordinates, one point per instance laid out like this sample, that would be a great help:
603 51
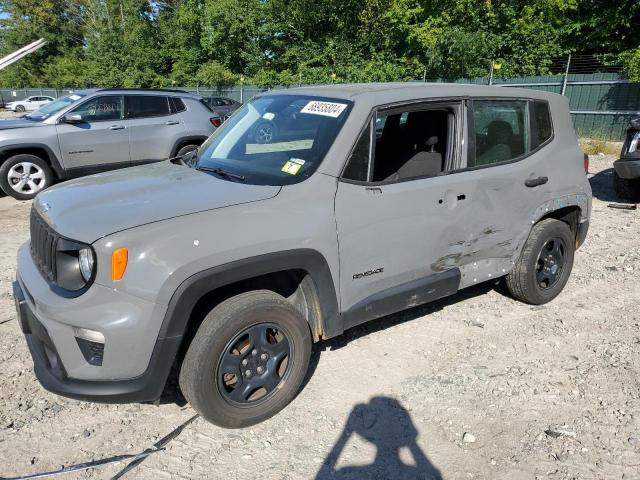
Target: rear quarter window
541 126
178 104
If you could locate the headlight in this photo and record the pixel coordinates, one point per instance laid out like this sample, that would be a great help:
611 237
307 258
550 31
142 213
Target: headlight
85 259
75 265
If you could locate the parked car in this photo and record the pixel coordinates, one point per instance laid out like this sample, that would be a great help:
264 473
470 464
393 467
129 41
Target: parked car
96 130
626 174
223 106
29 103
229 270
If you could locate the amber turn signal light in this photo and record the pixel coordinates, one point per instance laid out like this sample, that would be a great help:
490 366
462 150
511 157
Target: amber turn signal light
119 260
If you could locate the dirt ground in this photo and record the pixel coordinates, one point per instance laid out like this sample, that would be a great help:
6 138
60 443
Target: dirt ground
477 386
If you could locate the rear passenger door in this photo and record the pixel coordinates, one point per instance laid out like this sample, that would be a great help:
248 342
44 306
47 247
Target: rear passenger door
154 127
503 180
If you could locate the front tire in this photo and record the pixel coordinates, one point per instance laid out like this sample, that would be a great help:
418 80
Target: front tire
625 188
545 263
23 176
247 360
20 108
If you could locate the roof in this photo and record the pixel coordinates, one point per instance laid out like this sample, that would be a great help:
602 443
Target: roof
380 93
149 91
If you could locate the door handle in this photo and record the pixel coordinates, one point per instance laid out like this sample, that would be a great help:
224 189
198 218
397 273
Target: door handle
172 122
535 182
116 127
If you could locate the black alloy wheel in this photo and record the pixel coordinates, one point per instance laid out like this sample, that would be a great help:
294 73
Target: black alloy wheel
253 364
551 261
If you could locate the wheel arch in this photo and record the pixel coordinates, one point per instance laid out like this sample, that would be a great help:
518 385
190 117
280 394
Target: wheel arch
574 210
37 149
302 276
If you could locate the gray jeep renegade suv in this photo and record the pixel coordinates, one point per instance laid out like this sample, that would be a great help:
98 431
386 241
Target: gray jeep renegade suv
96 130
362 201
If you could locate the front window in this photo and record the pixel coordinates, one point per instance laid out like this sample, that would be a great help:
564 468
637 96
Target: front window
98 109
274 140
50 108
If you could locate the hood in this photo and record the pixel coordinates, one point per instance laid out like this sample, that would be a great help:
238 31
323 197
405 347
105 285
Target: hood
7 123
91 207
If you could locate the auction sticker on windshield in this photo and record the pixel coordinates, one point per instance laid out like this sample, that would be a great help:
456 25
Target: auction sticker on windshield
328 109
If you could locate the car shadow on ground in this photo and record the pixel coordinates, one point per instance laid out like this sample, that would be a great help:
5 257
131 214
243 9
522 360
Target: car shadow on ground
385 423
602 186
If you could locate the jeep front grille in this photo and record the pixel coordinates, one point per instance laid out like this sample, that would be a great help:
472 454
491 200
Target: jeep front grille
43 246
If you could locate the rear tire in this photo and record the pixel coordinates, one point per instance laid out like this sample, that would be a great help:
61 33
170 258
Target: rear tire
545 263
625 188
23 176
247 360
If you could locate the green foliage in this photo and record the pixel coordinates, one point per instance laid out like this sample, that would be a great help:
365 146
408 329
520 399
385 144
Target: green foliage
214 74
288 42
631 61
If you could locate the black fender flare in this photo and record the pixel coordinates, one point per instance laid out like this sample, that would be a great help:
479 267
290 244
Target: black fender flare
188 139
7 150
191 290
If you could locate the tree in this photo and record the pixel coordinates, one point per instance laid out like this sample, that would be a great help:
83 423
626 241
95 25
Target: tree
213 74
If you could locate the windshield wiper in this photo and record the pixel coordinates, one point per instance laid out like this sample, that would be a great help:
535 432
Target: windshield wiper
186 159
221 172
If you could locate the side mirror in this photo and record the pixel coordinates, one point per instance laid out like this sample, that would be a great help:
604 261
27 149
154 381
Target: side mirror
72 118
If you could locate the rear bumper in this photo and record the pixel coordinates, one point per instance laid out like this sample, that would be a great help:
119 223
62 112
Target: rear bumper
627 168
51 373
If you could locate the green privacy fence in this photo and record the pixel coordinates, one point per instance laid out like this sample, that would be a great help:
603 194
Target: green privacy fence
601 103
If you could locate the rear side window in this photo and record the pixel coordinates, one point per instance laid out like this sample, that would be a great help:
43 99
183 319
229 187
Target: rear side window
541 128
501 130
358 164
140 106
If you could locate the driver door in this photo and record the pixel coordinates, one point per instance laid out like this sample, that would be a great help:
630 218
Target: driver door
101 140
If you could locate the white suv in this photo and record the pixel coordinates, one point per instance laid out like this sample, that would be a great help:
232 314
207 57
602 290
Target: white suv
29 103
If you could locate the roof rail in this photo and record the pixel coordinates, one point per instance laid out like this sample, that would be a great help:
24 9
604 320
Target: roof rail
171 90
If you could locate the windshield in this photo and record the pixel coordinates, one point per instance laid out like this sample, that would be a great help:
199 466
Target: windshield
274 140
50 108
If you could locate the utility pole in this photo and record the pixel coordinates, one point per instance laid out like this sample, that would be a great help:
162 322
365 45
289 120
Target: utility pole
491 74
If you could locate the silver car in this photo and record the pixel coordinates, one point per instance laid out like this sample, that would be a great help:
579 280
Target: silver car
378 198
90 131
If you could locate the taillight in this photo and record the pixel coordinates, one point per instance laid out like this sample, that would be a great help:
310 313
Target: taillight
216 121
586 163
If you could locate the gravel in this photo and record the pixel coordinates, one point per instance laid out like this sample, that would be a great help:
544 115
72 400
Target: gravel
399 397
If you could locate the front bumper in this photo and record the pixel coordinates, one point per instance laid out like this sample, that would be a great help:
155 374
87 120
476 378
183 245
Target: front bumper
628 168
52 375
